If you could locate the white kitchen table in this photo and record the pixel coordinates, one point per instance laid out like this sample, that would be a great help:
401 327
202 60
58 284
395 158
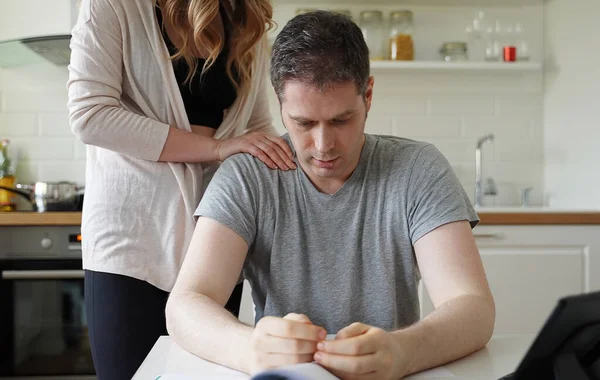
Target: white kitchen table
501 356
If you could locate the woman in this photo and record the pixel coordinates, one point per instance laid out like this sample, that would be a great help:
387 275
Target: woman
160 91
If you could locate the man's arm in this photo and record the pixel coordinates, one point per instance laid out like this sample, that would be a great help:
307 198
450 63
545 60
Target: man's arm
198 322
464 315
462 322
195 314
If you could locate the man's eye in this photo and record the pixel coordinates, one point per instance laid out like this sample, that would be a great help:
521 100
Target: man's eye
340 121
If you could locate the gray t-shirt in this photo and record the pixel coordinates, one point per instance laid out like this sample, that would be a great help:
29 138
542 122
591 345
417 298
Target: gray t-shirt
339 258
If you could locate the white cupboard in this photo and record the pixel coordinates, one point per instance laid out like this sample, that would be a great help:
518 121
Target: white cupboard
530 267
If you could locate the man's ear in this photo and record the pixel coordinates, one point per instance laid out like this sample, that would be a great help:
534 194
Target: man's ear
369 92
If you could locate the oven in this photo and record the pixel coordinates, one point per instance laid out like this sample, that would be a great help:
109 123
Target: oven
43 330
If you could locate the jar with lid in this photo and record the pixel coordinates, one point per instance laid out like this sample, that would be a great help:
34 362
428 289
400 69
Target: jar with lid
371 24
401 45
454 51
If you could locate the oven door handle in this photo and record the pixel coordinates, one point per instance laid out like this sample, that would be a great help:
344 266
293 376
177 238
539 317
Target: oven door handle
42 274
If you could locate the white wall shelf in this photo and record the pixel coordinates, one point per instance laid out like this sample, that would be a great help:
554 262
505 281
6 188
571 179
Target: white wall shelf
456 66
466 3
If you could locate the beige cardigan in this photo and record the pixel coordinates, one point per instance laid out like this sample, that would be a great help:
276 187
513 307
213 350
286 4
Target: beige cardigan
123 95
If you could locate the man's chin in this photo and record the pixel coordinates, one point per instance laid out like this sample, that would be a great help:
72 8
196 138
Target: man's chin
323 172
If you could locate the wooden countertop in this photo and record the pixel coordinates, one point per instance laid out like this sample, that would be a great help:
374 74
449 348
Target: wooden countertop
487 218
40 219
540 218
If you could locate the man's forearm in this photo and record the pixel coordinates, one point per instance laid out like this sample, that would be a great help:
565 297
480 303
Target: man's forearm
204 328
452 331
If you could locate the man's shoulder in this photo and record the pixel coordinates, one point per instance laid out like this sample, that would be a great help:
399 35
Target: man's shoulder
248 168
397 149
244 163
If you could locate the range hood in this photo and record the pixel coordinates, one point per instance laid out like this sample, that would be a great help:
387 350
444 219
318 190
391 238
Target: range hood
51 49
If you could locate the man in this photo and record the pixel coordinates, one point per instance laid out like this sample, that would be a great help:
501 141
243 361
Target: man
339 245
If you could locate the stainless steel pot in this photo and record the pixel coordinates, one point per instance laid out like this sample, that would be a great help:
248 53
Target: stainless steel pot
50 196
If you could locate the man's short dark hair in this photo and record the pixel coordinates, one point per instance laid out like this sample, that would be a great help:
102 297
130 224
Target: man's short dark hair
320 49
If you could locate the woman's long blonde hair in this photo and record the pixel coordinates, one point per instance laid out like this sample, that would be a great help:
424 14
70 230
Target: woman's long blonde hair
249 20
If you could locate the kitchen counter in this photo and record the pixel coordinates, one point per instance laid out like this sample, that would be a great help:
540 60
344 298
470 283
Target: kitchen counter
537 216
488 216
40 219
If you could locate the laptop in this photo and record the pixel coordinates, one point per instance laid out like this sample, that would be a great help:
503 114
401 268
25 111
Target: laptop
568 345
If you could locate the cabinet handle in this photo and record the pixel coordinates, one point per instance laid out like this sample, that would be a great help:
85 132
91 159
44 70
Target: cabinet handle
42 274
489 236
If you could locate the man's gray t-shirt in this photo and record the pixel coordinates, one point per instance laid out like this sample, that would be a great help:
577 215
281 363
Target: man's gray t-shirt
339 258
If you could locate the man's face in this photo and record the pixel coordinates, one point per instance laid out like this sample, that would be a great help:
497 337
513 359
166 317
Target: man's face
326 129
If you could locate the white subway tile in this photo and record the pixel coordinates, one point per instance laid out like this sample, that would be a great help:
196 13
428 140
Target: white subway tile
35 77
27 171
505 128
390 102
537 129
35 101
18 124
528 105
55 125
461 105
461 150
45 148
379 124
519 152
426 127
516 172
448 82
54 171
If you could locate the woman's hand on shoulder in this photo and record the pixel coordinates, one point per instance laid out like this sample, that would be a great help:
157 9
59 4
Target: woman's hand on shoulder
272 150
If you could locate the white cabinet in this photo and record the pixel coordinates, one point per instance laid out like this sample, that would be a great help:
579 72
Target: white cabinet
33 18
530 267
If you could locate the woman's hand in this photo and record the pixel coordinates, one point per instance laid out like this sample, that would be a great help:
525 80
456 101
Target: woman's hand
271 150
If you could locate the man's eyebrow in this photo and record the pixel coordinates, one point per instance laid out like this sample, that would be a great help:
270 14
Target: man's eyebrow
344 114
298 118
338 116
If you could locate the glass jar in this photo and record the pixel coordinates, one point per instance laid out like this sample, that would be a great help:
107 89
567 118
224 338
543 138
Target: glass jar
521 43
401 46
371 24
454 51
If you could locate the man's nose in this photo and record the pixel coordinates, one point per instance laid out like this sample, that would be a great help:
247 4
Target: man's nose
324 139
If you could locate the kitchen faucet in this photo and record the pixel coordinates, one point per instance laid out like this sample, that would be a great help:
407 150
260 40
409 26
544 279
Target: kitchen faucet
490 188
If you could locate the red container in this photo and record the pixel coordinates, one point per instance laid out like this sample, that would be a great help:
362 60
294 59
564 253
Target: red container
510 54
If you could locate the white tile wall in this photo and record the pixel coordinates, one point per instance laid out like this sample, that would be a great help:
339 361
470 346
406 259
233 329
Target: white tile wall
33 115
449 109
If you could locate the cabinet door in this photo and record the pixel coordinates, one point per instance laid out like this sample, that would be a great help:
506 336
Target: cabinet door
527 281
247 306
